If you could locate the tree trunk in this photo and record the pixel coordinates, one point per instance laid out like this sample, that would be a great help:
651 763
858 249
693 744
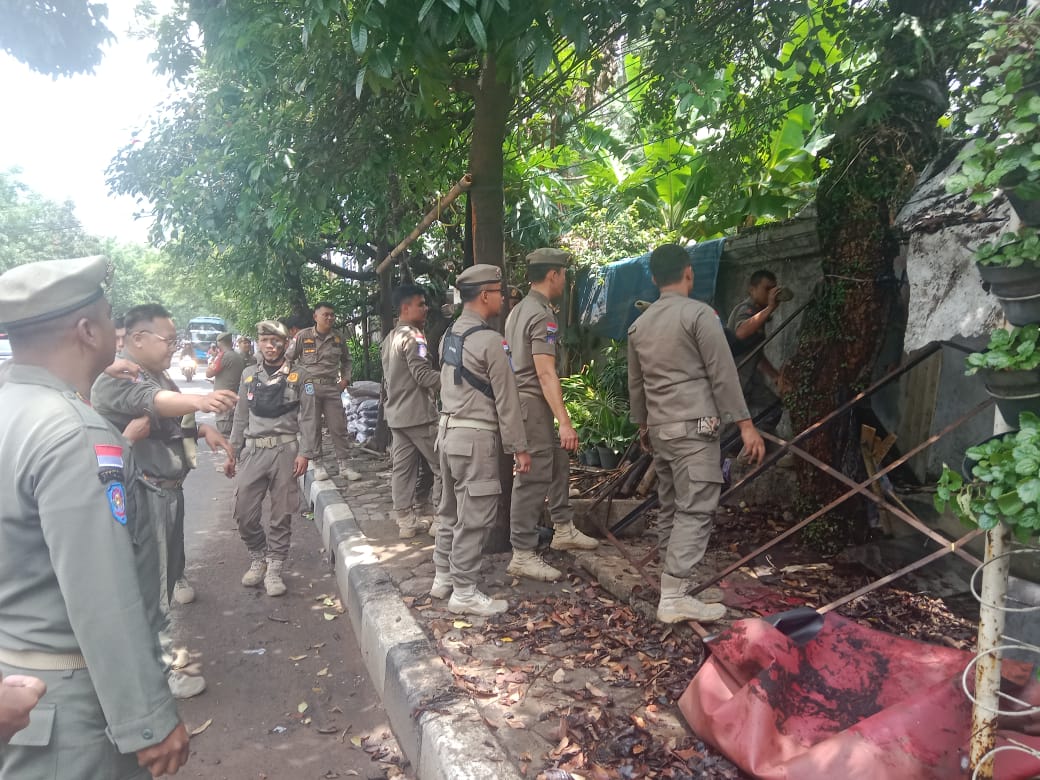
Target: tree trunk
492 102
874 161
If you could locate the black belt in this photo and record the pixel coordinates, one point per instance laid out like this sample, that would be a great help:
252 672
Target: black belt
162 483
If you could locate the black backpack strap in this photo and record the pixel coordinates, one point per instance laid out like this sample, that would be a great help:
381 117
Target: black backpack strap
461 372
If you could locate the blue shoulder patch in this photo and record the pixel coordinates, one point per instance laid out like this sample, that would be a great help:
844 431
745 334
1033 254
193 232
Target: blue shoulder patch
117 502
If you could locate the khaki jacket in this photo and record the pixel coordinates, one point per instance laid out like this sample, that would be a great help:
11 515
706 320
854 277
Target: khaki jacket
486 354
249 425
531 330
79 563
680 367
411 380
319 357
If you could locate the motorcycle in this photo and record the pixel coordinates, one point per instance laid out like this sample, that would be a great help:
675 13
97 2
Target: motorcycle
188 367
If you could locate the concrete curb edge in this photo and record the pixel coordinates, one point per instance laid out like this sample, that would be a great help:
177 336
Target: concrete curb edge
438 728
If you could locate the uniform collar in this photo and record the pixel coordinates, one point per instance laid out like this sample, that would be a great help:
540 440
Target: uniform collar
672 294
24 374
469 314
532 293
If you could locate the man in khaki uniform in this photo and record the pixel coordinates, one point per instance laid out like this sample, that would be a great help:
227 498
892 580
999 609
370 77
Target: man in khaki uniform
480 417
412 384
226 373
267 420
321 355
166 455
683 386
531 331
77 562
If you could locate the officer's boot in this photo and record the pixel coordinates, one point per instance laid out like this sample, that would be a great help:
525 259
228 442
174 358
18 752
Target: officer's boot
257 568
273 583
426 517
347 472
407 524
319 471
468 600
675 606
527 563
183 593
567 537
441 587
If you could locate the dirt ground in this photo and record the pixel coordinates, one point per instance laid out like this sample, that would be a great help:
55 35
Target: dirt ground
288 695
577 681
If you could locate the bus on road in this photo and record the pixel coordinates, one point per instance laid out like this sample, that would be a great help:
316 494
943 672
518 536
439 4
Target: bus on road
202 333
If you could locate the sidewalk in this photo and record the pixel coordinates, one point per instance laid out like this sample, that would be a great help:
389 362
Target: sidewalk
571 679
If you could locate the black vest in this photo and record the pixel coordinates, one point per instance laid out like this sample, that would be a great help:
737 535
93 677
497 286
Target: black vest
268 399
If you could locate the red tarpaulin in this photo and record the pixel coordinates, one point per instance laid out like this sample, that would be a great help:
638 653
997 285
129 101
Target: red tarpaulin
852 704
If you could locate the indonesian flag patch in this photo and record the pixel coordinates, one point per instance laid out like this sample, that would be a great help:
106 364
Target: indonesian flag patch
550 332
109 462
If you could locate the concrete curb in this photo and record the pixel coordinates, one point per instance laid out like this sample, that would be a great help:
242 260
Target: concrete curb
437 727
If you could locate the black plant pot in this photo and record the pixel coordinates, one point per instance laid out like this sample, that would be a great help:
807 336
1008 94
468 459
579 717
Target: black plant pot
1028 209
608 459
969 463
592 456
1021 311
1020 282
1012 404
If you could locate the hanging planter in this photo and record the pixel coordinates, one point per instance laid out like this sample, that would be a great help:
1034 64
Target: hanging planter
1028 209
1009 270
1010 369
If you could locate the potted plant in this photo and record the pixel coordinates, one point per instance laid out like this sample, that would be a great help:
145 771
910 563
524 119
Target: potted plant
1001 481
1008 266
1009 368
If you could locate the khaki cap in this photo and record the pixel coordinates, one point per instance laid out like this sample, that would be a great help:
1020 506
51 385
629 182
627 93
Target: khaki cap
481 273
224 338
549 256
272 328
38 292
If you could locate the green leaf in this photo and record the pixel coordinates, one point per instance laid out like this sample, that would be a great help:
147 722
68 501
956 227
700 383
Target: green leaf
358 36
454 5
476 30
425 9
1029 491
359 82
1010 504
542 58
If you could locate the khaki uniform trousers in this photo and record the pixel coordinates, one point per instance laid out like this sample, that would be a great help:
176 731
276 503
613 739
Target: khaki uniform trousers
549 476
164 507
323 403
409 446
66 738
469 500
264 470
689 481
224 422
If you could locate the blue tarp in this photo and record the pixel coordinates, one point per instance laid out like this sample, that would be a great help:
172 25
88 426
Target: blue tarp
606 296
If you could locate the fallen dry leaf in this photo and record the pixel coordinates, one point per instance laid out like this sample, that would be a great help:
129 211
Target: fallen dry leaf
298 657
323 672
301 707
199 729
330 616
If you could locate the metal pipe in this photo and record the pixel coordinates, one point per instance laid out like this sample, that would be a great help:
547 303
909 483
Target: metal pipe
773 457
987 670
460 187
772 335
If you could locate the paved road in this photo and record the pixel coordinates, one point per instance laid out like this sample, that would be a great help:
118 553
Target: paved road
244 643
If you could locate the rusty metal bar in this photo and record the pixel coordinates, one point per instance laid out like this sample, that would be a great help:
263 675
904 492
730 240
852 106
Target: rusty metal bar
460 187
773 457
845 496
934 556
783 324
907 517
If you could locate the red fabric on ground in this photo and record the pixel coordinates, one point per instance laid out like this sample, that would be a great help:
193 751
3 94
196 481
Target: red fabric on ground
853 704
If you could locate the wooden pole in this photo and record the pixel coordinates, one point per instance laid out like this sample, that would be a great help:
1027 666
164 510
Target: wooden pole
460 187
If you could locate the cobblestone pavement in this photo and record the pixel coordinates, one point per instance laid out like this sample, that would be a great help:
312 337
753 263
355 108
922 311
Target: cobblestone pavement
571 676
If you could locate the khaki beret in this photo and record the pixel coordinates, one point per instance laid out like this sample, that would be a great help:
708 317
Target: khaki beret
549 256
38 292
272 328
481 273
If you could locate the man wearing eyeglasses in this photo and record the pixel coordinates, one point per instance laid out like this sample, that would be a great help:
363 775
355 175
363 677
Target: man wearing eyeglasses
165 456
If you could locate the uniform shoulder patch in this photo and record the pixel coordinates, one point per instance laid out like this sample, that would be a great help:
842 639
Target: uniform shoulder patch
550 332
294 377
117 502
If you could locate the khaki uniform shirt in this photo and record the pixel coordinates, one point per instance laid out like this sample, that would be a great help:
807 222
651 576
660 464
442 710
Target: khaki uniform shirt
319 357
74 554
486 354
531 330
119 401
680 367
249 425
229 374
742 312
411 380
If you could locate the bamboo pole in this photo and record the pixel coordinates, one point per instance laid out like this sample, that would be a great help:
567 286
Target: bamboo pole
460 187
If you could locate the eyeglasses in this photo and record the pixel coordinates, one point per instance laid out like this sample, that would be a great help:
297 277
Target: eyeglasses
171 343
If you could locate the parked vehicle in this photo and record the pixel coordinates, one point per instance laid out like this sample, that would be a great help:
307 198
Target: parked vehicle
202 334
187 363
